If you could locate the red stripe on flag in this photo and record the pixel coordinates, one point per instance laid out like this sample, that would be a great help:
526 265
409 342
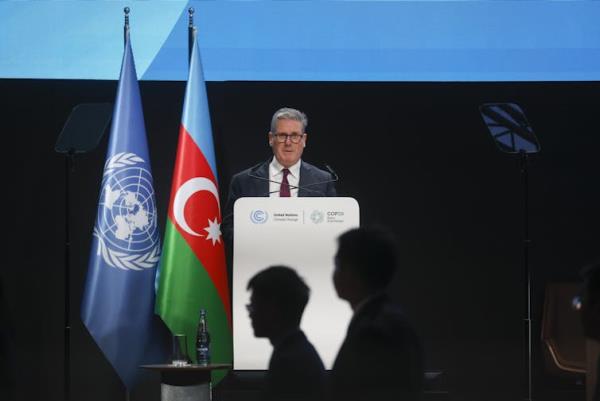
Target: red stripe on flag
200 209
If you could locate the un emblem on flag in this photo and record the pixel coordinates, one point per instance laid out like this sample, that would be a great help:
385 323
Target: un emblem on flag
126 226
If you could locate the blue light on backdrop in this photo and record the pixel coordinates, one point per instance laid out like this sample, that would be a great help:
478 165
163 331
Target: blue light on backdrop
503 40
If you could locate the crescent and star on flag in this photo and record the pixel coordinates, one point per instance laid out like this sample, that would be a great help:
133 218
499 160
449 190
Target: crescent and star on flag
185 191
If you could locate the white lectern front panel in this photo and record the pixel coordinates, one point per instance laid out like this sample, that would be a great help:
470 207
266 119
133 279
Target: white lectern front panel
300 233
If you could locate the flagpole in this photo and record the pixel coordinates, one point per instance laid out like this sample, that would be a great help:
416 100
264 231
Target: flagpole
191 31
125 36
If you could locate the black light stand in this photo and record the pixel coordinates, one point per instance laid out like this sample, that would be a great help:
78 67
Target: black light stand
81 133
512 134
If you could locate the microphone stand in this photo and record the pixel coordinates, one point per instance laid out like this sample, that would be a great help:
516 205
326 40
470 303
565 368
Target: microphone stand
279 183
299 187
225 220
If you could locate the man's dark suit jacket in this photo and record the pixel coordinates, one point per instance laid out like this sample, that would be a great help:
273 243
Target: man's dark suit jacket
380 358
255 182
296 371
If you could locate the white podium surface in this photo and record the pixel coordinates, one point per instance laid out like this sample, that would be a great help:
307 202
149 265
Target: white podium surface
300 233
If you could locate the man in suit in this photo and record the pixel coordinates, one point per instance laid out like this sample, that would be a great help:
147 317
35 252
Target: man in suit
381 356
277 302
285 174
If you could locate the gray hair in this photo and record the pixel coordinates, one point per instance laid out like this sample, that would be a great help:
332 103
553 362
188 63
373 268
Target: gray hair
287 113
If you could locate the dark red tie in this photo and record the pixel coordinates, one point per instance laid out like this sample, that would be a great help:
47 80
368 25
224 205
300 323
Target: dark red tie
284 189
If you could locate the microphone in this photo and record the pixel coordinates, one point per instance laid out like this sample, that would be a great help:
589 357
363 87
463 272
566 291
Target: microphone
303 187
229 216
279 183
332 172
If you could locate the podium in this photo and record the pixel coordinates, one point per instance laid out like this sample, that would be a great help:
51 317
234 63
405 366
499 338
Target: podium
300 233
185 383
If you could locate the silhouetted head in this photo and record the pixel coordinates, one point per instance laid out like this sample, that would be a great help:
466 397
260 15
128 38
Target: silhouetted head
365 263
278 299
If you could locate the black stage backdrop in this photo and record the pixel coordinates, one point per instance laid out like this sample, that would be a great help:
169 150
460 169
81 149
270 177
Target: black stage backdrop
416 156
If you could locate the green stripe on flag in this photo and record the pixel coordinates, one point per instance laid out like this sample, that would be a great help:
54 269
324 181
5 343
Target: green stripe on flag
184 288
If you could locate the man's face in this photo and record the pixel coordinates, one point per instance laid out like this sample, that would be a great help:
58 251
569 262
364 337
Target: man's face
287 152
261 314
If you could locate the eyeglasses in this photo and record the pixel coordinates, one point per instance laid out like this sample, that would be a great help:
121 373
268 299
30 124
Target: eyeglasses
294 138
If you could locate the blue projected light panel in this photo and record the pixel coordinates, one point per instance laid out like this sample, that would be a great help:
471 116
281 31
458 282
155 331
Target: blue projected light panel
503 40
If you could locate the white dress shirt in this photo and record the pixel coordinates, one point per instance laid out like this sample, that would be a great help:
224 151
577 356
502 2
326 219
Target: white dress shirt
276 176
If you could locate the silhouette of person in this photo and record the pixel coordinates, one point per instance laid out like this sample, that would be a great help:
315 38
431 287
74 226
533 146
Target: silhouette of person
381 356
590 318
277 302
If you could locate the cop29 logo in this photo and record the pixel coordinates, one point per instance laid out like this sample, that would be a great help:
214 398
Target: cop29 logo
259 216
317 216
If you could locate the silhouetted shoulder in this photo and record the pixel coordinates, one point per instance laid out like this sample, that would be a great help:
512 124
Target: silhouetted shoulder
381 355
295 370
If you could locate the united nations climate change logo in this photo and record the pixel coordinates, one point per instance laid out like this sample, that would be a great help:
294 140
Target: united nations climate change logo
259 216
317 216
126 226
